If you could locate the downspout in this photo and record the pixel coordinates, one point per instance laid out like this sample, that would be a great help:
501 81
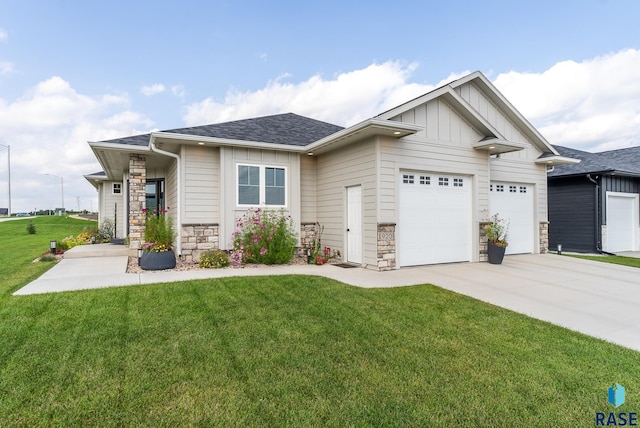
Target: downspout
597 216
152 145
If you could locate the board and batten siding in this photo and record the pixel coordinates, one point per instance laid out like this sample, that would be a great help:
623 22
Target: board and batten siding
230 157
444 145
352 165
201 184
517 167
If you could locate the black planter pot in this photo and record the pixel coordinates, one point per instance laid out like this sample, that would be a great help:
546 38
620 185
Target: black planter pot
157 261
496 253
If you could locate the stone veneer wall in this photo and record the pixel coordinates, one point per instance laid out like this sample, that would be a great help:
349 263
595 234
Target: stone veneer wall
483 243
544 237
137 199
386 246
198 238
308 233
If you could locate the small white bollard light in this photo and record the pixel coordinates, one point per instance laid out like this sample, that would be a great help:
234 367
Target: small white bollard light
52 246
139 254
559 249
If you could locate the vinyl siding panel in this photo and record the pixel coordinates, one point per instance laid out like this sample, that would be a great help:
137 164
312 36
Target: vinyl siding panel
201 185
352 165
230 157
113 207
517 166
572 205
308 189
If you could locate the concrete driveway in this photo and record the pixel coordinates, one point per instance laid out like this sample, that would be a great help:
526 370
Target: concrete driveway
598 299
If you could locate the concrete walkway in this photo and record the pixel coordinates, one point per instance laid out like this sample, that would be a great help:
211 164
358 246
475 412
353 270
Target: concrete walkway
598 299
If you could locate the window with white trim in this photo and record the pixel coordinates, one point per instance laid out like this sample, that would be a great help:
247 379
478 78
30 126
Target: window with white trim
523 189
499 187
458 182
407 178
261 185
117 188
512 189
425 179
443 181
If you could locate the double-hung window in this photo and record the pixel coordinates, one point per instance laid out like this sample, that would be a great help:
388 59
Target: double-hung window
261 185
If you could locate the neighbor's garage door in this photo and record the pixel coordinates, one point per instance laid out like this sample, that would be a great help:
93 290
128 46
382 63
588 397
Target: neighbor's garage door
434 219
622 221
514 203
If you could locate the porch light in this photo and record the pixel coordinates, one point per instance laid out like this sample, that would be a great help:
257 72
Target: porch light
310 154
52 246
201 144
397 133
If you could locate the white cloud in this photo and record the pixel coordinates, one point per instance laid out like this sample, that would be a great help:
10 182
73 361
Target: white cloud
4 36
178 91
590 105
345 99
48 129
264 56
149 90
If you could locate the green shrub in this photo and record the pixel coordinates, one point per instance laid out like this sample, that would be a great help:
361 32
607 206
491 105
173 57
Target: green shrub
265 237
47 258
62 245
214 259
31 228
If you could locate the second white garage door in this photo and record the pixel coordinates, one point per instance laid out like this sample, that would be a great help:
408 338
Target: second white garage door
434 219
514 203
622 221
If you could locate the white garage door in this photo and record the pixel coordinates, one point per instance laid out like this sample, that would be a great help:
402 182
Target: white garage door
514 203
622 220
434 219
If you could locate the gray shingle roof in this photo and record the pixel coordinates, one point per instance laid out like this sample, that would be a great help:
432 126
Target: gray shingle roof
621 161
288 128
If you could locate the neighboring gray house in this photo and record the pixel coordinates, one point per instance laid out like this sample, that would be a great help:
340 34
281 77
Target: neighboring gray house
411 186
593 205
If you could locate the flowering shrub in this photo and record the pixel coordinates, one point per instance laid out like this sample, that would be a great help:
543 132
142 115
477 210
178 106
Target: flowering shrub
214 259
158 231
264 237
497 230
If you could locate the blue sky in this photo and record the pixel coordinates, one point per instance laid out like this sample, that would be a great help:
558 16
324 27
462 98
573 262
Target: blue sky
73 71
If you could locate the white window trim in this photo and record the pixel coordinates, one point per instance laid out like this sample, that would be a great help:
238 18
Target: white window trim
262 198
113 189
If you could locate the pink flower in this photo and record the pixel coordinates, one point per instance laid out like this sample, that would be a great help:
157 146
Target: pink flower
263 251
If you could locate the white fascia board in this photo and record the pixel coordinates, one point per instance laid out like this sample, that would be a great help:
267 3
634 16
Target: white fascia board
214 141
112 146
496 146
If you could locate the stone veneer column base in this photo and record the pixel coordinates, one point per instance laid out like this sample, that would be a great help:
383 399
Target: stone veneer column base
483 243
386 246
198 238
544 237
137 199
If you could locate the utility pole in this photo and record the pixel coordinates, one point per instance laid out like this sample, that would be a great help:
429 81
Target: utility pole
8 174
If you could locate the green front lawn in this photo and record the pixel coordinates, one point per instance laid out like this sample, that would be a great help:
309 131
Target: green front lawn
294 351
618 260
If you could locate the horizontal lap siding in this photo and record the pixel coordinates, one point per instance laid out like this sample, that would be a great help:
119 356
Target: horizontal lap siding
308 189
119 218
572 214
201 185
348 166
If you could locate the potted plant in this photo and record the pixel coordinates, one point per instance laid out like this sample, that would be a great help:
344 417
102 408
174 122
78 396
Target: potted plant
496 231
157 253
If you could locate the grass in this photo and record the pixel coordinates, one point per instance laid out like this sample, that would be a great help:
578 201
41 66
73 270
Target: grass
294 351
618 260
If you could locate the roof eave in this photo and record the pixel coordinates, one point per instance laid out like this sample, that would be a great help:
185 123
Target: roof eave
364 129
555 160
216 141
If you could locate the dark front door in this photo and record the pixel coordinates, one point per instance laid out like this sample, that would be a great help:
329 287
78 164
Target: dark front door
155 195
